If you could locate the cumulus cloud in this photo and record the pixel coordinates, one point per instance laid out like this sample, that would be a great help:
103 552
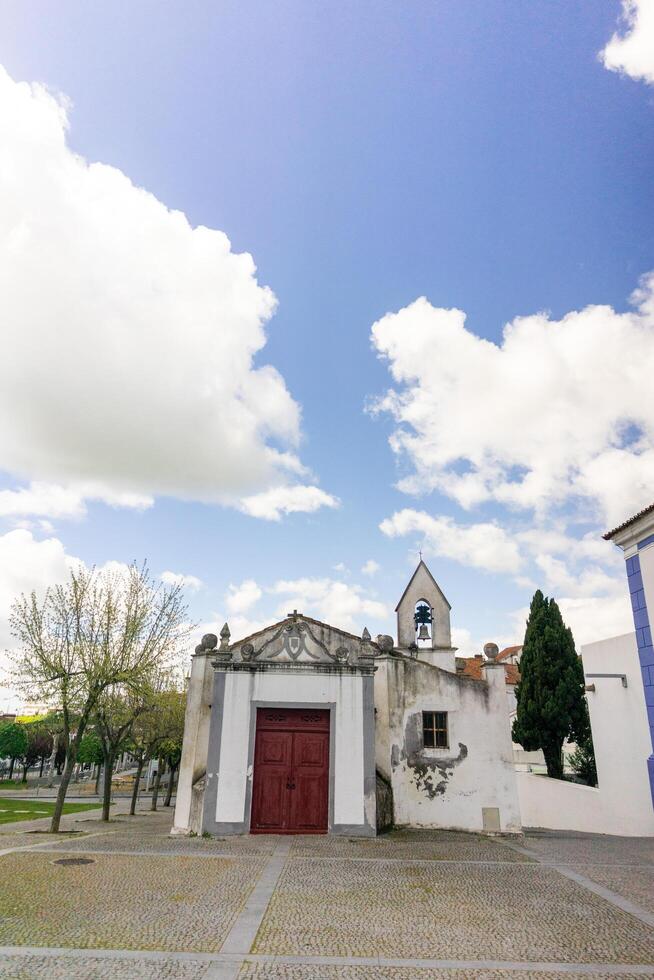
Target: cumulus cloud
334 602
129 339
632 53
371 567
190 582
483 545
242 597
26 564
272 504
559 411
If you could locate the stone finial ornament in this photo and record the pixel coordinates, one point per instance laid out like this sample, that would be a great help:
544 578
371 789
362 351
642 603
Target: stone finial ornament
385 642
491 651
207 643
224 637
366 634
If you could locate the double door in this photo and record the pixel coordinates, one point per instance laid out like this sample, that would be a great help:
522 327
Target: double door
290 791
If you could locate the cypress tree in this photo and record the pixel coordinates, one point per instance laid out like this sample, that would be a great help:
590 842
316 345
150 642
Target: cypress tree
550 695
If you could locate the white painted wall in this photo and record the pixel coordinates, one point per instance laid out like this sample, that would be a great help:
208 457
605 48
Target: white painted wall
342 690
477 718
621 804
196 739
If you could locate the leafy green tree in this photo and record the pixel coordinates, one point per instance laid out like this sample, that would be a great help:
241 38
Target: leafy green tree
115 715
13 743
550 695
98 630
39 746
90 751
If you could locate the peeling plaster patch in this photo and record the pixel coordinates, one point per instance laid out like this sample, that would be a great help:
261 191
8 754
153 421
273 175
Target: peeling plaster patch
429 775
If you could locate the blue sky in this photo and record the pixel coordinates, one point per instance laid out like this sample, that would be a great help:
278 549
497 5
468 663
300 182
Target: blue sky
478 154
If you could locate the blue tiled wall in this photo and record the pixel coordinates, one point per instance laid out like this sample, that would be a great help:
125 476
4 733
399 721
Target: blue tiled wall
645 647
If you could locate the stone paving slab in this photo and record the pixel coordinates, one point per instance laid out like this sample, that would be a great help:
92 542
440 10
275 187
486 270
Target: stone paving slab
634 884
122 902
430 847
439 911
584 849
93 968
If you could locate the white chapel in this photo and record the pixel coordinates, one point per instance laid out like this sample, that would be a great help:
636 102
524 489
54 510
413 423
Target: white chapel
303 728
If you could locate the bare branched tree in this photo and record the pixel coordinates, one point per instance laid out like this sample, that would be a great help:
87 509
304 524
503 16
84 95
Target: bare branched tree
101 629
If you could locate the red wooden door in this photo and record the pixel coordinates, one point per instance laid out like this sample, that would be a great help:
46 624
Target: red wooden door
290 792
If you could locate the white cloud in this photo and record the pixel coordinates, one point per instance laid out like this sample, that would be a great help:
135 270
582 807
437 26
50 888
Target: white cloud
371 567
341 568
272 504
561 411
53 500
129 339
242 597
333 602
589 617
26 564
190 582
464 643
483 545
633 52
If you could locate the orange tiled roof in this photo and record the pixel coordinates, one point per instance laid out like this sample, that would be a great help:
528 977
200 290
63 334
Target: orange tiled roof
473 667
508 651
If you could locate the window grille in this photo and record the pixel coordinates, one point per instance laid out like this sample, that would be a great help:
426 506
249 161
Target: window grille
434 729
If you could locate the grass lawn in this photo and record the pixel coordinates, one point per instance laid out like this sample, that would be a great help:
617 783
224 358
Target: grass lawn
11 810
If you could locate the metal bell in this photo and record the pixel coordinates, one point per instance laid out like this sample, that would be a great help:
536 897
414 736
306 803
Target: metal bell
423 632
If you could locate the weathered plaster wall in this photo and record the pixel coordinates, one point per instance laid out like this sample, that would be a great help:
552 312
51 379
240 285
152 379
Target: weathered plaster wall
445 787
352 788
196 739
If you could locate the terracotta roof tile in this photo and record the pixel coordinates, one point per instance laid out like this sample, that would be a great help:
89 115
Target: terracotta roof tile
474 667
509 651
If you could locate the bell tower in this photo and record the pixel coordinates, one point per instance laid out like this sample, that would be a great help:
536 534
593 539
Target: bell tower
423 621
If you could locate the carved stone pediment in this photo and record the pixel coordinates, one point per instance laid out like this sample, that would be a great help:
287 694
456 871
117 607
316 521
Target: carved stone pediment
294 643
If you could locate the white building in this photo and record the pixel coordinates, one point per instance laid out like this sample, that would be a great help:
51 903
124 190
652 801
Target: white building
619 674
305 728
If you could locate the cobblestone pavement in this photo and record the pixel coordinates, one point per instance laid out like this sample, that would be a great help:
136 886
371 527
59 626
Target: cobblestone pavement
122 901
633 883
446 912
406 906
91 968
404 845
590 849
274 971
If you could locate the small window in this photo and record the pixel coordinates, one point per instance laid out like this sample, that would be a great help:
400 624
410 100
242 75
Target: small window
434 729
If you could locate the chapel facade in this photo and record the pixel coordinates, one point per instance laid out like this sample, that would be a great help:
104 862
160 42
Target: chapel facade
304 728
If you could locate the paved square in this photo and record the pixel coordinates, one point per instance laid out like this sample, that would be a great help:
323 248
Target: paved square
465 911
406 906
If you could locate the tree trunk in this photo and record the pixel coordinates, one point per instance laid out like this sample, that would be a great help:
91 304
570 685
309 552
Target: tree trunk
98 773
42 764
109 761
554 760
11 769
155 789
63 789
171 780
24 780
135 791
